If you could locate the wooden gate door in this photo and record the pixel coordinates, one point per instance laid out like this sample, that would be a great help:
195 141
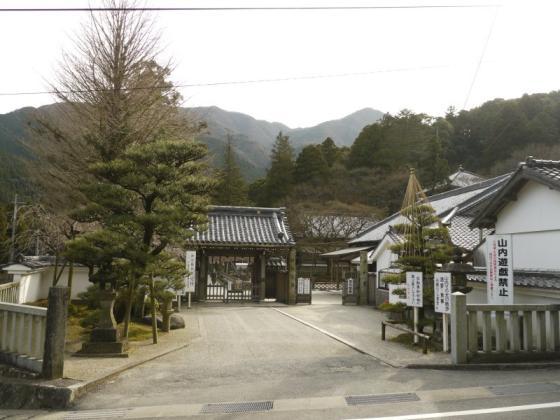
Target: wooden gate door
216 292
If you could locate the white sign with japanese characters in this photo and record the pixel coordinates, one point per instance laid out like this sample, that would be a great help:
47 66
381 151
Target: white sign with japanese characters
442 293
349 286
499 269
190 261
304 286
414 289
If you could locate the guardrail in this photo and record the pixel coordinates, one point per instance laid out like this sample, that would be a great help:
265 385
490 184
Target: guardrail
9 292
22 335
503 333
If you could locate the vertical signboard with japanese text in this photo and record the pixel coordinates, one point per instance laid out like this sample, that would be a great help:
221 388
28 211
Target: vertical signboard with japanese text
350 286
499 269
414 289
190 265
442 293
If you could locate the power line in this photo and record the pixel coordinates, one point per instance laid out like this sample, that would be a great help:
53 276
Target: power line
272 8
482 54
237 82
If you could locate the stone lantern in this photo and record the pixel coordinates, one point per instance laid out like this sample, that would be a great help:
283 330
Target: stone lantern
459 271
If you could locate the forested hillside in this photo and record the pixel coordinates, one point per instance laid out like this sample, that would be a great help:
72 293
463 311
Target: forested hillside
320 167
490 140
251 140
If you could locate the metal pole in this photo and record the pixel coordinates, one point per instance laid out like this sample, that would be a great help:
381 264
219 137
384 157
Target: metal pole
189 301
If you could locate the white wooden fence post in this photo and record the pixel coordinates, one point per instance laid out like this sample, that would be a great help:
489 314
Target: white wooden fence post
458 328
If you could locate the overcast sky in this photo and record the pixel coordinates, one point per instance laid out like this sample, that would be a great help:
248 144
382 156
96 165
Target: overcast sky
421 59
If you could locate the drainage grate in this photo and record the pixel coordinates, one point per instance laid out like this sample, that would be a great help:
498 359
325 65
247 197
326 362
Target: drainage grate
523 389
241 407
96 414
381 398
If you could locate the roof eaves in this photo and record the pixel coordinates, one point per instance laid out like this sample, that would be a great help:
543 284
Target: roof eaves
487 217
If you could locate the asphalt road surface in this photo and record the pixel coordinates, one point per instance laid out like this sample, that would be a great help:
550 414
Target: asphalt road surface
257 354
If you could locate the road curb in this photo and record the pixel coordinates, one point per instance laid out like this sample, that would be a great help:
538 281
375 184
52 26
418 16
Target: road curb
487 366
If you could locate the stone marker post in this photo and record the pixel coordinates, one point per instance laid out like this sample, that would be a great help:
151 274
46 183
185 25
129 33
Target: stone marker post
57 316
458 328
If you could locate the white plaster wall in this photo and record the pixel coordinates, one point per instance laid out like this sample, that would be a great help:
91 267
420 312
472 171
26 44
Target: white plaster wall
30 287
537 250
80 280
35 286
536 209
385 259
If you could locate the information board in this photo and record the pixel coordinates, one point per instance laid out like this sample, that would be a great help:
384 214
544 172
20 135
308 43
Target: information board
304 286
414 289
442 293
499 269
350 286
190 262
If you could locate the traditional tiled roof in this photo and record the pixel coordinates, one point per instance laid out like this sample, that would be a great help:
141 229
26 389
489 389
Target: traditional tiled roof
37 262
253 227
463 178
443 203
526 278
462 235
546 172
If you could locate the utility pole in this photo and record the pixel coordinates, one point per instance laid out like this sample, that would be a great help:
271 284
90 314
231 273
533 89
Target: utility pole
14 224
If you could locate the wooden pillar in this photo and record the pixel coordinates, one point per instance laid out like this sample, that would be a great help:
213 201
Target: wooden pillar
203 277
262 277
292 277
363 290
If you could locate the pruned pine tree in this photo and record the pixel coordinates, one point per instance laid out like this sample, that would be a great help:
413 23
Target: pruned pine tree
150 197
424 241
146 187
231 189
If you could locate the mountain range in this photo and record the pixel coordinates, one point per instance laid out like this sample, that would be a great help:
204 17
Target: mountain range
253 139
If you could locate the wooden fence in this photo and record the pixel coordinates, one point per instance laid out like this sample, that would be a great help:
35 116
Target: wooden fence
9 292
22 335
503 333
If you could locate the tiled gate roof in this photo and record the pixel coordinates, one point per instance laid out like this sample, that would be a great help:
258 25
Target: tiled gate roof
245 226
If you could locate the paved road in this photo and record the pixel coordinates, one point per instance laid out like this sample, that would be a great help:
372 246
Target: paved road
244 354
254 354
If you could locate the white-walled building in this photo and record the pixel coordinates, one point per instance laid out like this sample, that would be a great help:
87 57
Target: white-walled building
527 207
455 208
35 276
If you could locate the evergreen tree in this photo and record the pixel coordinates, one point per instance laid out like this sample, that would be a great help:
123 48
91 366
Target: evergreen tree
231 189
148 198
435 168
330 151
310 165
280 175
425 242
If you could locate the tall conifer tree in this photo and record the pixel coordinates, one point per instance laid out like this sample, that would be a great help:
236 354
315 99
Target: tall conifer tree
231 189
280 176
